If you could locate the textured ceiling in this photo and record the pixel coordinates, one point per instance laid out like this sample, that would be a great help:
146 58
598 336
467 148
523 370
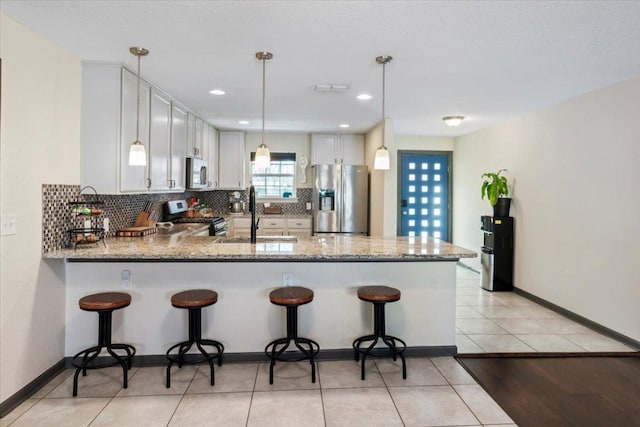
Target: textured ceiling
487 60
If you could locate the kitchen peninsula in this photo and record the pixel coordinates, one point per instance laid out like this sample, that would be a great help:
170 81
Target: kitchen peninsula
152 268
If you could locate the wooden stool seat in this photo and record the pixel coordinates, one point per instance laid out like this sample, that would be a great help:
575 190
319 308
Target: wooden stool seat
194 298
105 301
291 295
378 294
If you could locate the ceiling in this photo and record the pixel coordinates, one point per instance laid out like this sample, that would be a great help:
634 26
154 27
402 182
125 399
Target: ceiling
486 60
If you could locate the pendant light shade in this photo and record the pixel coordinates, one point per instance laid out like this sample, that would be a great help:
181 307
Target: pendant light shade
263 156
382 161
137 153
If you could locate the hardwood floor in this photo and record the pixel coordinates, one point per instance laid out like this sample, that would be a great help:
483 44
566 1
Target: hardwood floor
562 391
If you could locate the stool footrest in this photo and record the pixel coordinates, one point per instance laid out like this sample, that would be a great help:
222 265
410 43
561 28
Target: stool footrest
298 353
393 350
90 361
181 357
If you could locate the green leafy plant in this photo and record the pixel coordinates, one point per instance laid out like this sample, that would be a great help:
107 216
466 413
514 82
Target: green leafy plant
494 186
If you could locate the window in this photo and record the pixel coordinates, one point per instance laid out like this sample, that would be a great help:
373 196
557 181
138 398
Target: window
278 180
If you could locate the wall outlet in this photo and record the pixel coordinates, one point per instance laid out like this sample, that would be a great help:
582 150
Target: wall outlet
308 206
287 279
105 225
127 279
9 226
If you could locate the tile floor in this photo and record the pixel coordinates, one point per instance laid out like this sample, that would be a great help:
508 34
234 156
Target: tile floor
437 391
503 322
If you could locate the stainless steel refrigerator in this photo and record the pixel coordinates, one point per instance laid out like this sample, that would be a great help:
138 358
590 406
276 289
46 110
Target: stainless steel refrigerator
340 199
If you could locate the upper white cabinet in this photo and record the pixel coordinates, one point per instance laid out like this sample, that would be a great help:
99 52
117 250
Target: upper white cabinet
212 156
329 148
195 136
108 128
178 147
231 167
132 178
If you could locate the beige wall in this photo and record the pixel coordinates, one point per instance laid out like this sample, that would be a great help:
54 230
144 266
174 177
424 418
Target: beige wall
299 143
424 143
574 169
40 132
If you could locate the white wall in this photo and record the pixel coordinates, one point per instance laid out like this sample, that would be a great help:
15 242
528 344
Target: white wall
424 143
382 191
40 132
299 143
575 174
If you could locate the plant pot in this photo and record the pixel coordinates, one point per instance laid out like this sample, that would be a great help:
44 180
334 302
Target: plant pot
502 207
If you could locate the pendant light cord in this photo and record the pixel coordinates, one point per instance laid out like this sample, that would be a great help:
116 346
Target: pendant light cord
138 104
263 95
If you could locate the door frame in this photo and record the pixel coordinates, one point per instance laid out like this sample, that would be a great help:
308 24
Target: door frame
449 155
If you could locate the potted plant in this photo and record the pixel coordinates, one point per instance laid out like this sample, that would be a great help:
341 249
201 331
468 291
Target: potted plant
494 187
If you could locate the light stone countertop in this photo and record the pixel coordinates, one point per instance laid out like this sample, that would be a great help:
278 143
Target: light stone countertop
176 248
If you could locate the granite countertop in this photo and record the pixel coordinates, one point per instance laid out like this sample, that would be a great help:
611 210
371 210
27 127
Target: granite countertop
263 215
178 248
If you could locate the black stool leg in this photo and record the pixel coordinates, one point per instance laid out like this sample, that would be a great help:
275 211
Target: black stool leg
104 342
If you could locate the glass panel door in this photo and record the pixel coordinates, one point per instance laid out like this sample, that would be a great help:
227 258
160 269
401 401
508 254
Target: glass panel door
424 190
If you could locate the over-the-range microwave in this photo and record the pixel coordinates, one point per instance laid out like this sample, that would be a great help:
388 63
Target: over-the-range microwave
196 174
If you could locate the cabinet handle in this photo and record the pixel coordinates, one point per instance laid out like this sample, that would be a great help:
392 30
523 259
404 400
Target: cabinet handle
148 182
215 185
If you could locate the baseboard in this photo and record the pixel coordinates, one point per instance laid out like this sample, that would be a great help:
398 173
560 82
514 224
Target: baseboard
580 319
331 354
27 391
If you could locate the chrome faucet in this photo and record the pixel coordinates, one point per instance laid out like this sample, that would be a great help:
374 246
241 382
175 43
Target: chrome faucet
252 208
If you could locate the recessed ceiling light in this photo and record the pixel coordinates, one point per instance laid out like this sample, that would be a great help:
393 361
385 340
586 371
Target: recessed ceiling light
217 92
344 125
243 122
364 97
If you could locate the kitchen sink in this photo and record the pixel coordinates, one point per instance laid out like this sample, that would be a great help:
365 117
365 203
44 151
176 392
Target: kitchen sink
259 239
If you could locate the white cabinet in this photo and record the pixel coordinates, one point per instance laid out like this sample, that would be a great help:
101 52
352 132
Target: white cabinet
329 148
211 155
240 227
159 142
231 160
132 178
194 136
108 128
299 227
178 147
272 226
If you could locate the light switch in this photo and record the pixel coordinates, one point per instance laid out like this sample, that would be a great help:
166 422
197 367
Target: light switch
9 226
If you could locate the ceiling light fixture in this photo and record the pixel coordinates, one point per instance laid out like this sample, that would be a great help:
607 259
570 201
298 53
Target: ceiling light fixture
217 92
364 97
382 161
243 122
137 154
344 125
263 156
453 121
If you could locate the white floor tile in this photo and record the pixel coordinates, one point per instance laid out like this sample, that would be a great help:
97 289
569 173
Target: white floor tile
152 381
105 382
346 374
420 371
287 376
466 345
596 342
17 412
360 407
501 344
521 326
286 409
479 326
136 411
563 325
468 312
62 412
498 311
550 343
431 406
452 371
230 377
482 405
219 409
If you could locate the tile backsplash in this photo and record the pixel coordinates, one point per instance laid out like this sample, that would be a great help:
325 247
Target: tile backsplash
122 210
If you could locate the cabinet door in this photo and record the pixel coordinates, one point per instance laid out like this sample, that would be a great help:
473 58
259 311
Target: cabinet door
231 160
352 147
133 178
213 158
299 227
323 149
178 147
199 138
191 135
159 141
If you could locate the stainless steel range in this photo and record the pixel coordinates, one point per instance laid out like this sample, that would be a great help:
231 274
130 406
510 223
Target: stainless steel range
175 211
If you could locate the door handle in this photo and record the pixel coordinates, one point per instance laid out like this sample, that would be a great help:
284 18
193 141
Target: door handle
404 203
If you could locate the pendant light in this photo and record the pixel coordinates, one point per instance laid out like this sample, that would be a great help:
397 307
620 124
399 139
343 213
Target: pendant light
381 161
137 154
263 156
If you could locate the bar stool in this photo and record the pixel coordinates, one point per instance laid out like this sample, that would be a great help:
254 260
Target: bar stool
104 303
379 296
292 297
194 300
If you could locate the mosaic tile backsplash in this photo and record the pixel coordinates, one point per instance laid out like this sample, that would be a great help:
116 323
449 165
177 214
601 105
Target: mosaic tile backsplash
122 210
